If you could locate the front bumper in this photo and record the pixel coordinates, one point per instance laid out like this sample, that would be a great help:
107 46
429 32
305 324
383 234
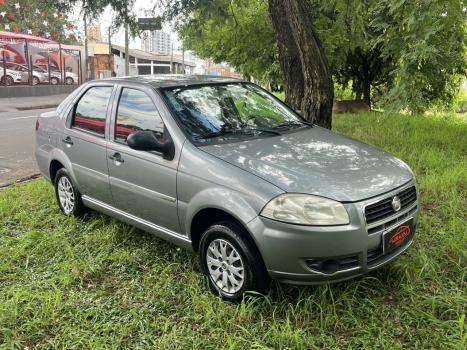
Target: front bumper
291 251
16 79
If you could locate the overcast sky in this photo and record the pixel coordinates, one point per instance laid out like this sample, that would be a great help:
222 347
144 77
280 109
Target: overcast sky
118 38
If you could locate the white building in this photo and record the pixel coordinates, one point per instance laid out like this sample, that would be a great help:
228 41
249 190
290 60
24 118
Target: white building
149 63
157 41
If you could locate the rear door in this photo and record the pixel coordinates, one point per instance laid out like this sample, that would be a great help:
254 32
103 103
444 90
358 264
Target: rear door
143 183
84 141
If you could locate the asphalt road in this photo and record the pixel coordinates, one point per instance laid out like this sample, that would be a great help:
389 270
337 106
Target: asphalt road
17 145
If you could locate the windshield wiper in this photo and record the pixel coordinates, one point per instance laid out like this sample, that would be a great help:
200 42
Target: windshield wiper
223 132
268 131
292 124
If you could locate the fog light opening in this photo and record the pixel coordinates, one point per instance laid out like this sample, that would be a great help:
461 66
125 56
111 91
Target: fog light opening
330 266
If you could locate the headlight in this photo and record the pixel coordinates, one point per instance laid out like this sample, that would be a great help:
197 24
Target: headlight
306 209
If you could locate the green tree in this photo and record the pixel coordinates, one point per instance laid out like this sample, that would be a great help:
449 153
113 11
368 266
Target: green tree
40 18
307 77
413 51
229 36
426 40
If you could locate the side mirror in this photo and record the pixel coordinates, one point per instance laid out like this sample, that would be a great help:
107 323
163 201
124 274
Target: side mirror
147 141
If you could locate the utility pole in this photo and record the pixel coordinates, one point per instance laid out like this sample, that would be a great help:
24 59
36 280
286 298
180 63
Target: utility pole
183 58
85 48
110 50
127 57
172 58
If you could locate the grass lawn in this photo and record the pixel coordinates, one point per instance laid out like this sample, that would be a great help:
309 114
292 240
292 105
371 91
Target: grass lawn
98 283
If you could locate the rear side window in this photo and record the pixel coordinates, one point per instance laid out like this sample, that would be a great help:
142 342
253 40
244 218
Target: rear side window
136 111
91 109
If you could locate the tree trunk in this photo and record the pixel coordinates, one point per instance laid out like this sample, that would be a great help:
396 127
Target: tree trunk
367 93
296 36
288 55
357 89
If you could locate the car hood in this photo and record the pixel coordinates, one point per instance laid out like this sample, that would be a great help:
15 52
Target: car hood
317 161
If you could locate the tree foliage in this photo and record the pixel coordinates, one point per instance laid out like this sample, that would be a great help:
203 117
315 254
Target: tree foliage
226 33
427 40
39 18
406 54
123 10
411 54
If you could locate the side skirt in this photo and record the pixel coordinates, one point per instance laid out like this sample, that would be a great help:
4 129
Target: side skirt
159 231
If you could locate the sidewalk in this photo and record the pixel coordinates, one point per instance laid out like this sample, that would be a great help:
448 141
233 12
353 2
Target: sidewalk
29 103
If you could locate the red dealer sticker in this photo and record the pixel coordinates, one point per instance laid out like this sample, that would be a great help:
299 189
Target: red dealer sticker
395 238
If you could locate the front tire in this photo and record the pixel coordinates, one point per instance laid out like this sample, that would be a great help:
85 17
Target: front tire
231 262
68 197
35 81
54 81
69 81
7 80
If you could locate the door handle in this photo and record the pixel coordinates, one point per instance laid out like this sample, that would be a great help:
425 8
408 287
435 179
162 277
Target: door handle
117 158
67 140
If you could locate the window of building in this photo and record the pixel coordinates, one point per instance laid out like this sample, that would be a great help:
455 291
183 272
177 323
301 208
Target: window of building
136 111
91 110
161 69
144 70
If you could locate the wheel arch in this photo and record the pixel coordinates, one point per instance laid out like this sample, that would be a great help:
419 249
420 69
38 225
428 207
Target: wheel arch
207 217
54 167
57 160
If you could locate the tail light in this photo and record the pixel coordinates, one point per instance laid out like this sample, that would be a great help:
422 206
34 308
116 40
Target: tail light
37 124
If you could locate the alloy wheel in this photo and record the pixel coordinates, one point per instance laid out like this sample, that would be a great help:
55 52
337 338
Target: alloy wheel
7 80
66 195
225 266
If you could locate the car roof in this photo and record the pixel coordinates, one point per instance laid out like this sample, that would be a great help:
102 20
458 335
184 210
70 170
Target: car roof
174 80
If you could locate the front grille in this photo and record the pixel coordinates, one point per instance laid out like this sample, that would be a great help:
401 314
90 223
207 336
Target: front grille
383 209
392 222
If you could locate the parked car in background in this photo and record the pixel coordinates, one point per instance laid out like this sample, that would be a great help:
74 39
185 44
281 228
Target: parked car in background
10 76
222 167
37 77
71 78
56 76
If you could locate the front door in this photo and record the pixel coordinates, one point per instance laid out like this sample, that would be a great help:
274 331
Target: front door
83 141
142 183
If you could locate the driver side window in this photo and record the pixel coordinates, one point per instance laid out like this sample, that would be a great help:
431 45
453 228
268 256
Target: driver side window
136 111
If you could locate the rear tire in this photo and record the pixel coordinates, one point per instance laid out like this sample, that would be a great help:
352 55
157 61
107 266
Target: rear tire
69 81
54 81
231 262
35 81
67 195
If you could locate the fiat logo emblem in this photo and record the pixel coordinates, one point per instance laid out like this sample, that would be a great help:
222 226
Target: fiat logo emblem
396 203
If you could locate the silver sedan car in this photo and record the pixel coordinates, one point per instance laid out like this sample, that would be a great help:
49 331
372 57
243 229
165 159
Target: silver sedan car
223 168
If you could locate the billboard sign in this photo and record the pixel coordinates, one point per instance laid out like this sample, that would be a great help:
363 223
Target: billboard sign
151 23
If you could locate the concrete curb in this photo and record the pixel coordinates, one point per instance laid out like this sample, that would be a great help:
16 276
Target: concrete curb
20 180
35 91
28 108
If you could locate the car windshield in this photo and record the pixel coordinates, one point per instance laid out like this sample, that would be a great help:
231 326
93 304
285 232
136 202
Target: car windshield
229 111
39 69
